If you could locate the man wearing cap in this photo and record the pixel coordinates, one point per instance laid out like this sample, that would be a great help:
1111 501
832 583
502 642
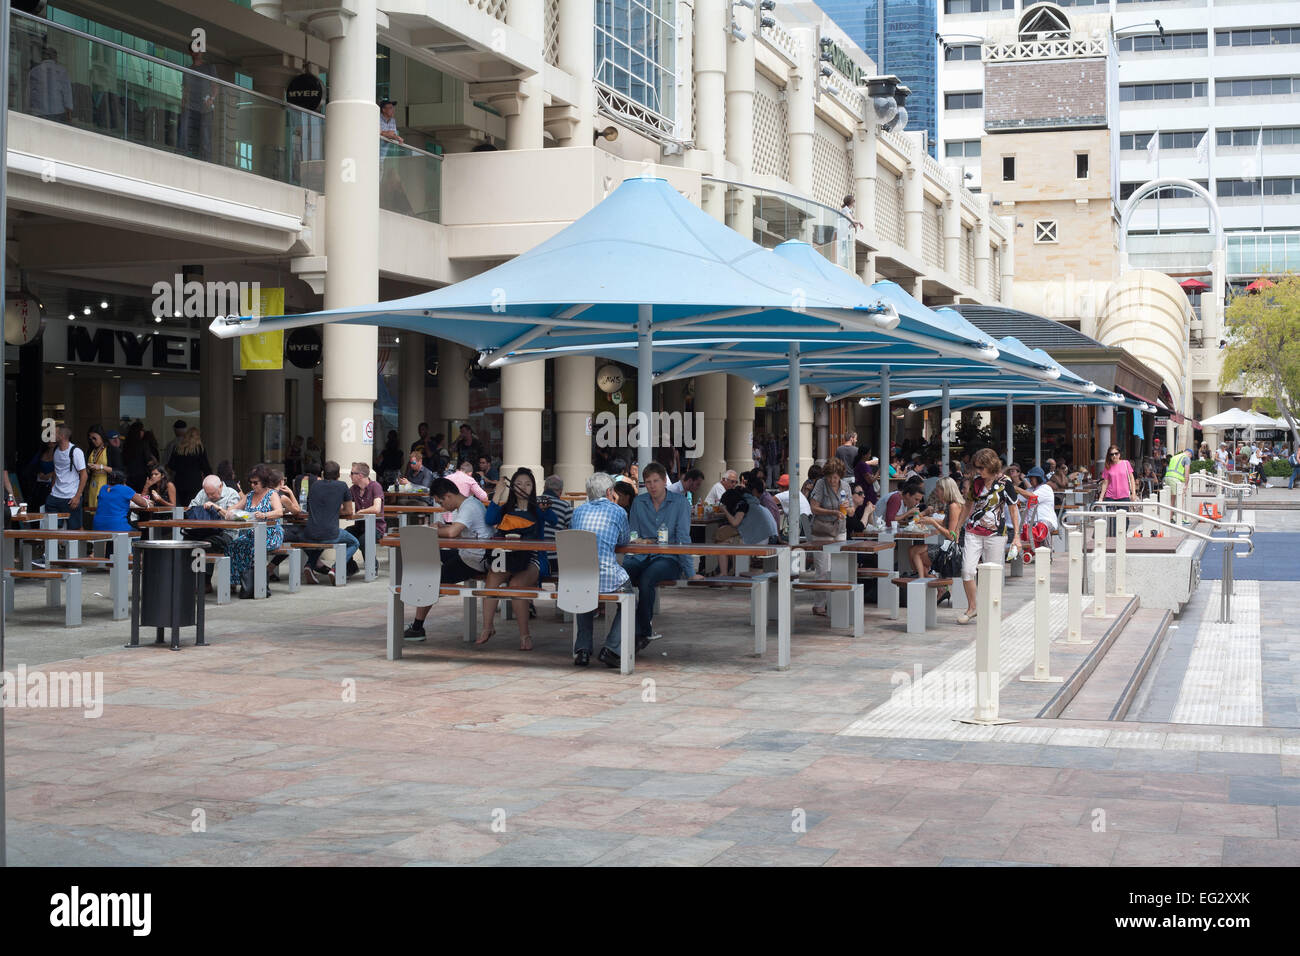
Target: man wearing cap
1176 475
388 121
114 451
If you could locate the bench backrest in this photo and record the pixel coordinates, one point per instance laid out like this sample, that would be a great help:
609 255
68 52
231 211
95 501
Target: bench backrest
578 589
421 564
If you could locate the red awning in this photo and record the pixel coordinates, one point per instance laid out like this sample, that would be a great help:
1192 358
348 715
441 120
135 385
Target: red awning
1193 285
1260 284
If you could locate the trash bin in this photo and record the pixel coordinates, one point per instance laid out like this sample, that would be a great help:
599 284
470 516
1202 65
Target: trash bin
167 589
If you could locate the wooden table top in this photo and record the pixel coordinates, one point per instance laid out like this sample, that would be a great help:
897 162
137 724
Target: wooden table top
526 544
36 517
188 523
411 509
49 534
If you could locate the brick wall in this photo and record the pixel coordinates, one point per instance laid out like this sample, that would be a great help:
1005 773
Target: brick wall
1044 94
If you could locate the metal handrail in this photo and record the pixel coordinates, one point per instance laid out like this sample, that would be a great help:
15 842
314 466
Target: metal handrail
1244 488
1136 505
1168 524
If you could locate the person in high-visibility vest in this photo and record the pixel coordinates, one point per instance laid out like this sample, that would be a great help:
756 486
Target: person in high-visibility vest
1176 476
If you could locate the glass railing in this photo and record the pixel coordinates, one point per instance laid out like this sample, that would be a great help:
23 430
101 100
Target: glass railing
70 77
1263 252
780 216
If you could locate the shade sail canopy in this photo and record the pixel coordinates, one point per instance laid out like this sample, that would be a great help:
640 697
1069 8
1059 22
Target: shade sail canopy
962 398
645 244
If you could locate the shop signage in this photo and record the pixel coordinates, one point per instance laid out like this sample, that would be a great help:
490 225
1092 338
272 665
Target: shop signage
843 63
302 347
84 344
1162 423
305 90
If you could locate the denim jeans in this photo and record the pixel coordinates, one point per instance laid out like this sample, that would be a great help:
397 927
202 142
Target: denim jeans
344 537
586 623
53 504
646 571
1295 470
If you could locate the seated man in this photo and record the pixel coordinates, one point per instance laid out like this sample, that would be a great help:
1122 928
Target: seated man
689 485
904 504
329 502
468 521
728 481
602 516
212 499
415 475
747 521
367 498
657 515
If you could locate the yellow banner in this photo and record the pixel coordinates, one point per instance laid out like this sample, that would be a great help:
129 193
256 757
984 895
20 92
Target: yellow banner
262 351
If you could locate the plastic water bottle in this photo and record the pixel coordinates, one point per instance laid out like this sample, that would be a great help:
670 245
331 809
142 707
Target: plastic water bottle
663 533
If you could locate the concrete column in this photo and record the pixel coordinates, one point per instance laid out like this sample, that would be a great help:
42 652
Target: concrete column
982 283
1209 408
411 408
268 8
914 195
523 394
864 178
740 424
711 400
263 395
822 417
805 429
524 128
952 225
710 54
1008 261
576 56
801 90
217 396
351 353
575 402
740 119
453 389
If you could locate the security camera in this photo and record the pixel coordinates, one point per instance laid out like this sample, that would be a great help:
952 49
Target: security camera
826 71
768 5
767 21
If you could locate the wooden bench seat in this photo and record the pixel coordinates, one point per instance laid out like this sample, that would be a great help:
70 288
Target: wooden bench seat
53 581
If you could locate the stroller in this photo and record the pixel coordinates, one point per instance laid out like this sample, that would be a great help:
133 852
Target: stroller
1033 534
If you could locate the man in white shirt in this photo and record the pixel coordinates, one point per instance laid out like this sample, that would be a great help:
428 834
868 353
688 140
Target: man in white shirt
729 480
689 484
388 121
215 495
49 89
69 479
469 521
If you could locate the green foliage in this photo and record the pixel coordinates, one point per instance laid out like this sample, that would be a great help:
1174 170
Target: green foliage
1201 466
1277 468
1263 333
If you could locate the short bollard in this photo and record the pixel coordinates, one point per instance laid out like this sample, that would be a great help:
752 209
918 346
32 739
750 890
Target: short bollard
988 636
1042 618
1163 511
1074 591
1148 526
1099 568
1121 552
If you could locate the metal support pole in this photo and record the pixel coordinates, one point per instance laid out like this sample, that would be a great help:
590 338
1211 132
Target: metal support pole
1099 568
946 431
1121 552
1038 435
1074 592
1042 618
1225 588
1011 420
644 384
884 434
792 422
4 220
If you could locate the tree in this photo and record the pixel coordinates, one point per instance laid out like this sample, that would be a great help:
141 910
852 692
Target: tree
1263 344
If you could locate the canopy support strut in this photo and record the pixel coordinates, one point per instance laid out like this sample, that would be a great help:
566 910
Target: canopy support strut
644 384
945 428
795 508
883 468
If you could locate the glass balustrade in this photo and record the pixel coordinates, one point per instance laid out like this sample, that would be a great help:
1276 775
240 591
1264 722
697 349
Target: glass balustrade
66 76
1259 253
780 216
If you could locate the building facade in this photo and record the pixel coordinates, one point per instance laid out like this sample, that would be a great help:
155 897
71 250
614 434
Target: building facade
162 165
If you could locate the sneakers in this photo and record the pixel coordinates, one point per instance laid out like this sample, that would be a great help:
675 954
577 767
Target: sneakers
308 575
415 632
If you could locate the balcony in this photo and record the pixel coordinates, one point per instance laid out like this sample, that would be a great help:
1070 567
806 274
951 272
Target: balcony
780 216
71 78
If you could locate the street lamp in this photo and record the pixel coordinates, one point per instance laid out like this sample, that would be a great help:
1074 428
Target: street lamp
887 96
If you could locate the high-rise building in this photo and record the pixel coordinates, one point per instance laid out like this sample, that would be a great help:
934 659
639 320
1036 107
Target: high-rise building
898 35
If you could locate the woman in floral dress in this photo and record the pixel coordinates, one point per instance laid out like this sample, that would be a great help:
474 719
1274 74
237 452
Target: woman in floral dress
264 504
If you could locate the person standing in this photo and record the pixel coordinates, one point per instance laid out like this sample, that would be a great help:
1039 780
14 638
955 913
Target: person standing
1118 484
69 478
188 463
49 89
848 452
1176 475
198 99
602 516
1294 460
135 456
992 498
467 446
97 465
178 432
827 522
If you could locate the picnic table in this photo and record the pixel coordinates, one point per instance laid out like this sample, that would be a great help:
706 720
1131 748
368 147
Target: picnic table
779 553
404 513
72 541
43 519
161 511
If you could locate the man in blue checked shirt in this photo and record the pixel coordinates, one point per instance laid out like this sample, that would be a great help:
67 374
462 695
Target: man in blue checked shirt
602 516
664 516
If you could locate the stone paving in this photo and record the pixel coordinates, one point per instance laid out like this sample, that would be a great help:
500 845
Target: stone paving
291 740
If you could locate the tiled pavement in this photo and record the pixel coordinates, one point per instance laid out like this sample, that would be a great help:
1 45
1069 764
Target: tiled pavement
291 740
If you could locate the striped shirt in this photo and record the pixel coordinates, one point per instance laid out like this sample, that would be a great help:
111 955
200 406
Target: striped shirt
608 522
563 511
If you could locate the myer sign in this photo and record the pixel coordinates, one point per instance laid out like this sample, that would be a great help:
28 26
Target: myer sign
81 343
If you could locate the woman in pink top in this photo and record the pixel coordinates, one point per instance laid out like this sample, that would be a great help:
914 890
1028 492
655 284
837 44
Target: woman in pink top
1118 483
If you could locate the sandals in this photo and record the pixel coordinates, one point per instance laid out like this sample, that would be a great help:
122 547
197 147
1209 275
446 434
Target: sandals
820 611
966 617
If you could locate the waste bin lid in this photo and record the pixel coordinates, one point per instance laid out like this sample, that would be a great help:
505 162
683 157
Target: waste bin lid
169 544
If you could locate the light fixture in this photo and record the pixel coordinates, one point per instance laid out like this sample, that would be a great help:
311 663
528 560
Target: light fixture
826 70
609 133
748 4
175 315
767 22
72 316
157 319
767 5
880 91
103 304
737 33
397 340
58 368
911 407
86 311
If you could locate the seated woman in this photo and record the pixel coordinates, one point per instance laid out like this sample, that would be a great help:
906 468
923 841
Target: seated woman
1149 480
264 504
517 512
862 511
944 516
752 523
159 488
116 499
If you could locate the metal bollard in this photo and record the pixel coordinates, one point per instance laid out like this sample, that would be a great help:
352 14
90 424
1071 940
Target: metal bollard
1121 552
1099 568
1042 618
1074 593
988 651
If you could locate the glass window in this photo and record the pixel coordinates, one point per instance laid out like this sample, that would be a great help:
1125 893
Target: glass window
1080 165
1045 230
1008 169
634 44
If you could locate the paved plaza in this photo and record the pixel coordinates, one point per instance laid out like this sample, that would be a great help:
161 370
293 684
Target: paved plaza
291 740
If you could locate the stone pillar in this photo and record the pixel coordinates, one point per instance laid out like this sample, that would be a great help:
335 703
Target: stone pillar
710 54
805 430
411 408
576 57
351 353
982 283
575 403
801 121
523 394
1209 408
524 126
740 424
864 181
711 400
952 225
740 119
453 389
914 195
263 395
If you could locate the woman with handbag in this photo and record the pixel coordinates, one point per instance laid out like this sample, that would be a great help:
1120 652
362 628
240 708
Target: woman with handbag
827 522
984 534
516 512
944 558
